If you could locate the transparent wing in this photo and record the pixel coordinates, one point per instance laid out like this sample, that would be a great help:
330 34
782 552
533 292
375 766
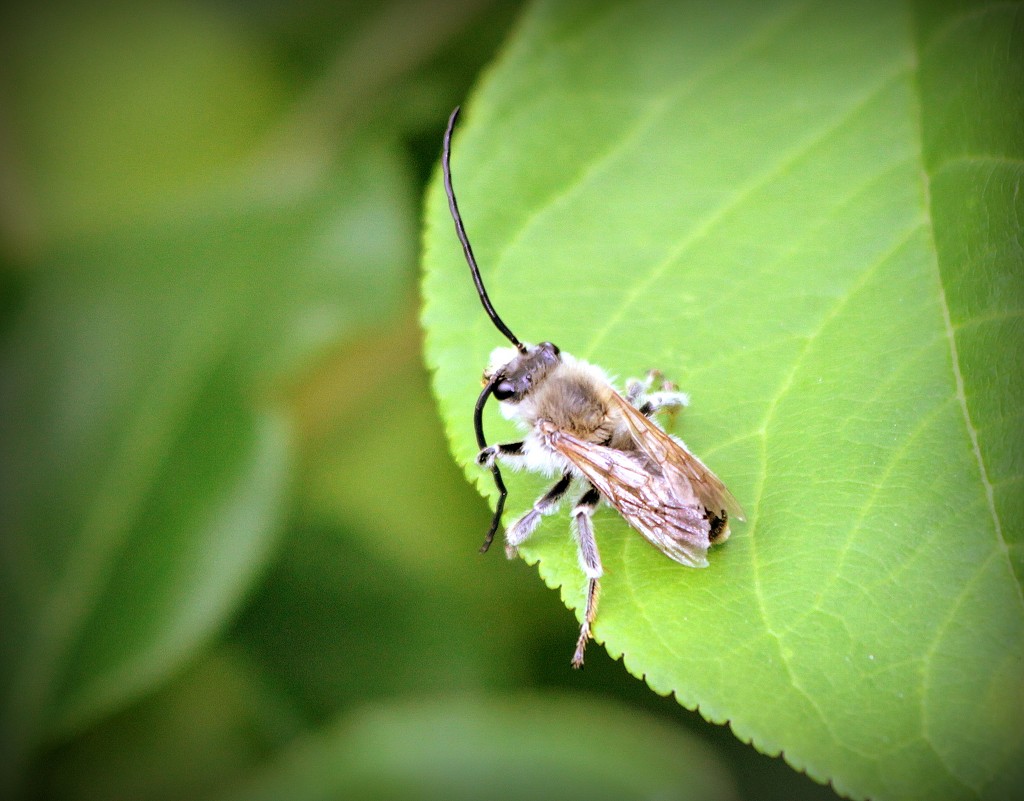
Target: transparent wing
678 527
680 466
661 489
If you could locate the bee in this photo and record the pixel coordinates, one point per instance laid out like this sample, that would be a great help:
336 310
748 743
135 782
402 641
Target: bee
580 428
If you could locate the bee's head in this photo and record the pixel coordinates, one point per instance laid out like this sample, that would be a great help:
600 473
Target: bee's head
518 373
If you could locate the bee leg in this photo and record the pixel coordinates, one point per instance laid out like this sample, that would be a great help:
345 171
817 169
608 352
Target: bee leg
667 396
581 644
489 455
637 388
521 529
672 400
659 402
590 561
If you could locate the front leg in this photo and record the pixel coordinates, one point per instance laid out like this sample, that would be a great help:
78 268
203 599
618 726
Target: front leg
491 453
488 458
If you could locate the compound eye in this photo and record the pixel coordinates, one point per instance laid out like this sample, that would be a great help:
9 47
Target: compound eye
504 390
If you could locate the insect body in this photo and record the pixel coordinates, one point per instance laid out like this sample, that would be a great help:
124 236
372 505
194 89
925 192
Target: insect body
579 428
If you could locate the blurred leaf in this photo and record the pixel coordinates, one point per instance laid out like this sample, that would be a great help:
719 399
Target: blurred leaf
387 47
145 466
385 431
381 591
117 107
811 220
537 747
184 254
116 112
210 727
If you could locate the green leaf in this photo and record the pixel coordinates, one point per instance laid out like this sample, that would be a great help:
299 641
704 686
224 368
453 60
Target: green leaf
146 459
213 724
100 143
538 747
136 475
808 214
184 252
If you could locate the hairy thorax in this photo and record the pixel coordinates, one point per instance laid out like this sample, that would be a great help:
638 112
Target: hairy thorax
575 398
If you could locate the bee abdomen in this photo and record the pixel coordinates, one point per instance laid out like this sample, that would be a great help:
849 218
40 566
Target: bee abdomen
719 526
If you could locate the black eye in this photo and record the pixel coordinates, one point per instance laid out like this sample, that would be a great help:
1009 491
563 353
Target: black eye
504 390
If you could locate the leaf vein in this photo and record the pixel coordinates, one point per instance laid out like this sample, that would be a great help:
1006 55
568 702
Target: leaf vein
786 385
993 317
760 179
872 497
929 653
852 196
949 27
656 109
980 159
961 396
866 275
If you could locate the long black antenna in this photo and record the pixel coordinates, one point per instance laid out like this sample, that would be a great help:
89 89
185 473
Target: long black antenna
481 441
460 230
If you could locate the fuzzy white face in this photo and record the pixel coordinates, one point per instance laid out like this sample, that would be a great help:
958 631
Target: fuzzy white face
501 356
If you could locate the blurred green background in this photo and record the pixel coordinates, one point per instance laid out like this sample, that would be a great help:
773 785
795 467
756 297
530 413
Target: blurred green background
238 559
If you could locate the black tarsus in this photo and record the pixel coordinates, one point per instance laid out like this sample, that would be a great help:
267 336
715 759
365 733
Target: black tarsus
460 231
481 441
503 449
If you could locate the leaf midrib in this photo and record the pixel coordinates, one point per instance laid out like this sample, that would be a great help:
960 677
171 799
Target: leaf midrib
950 330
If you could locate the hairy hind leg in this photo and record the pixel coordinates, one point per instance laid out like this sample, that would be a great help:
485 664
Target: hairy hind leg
590 561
